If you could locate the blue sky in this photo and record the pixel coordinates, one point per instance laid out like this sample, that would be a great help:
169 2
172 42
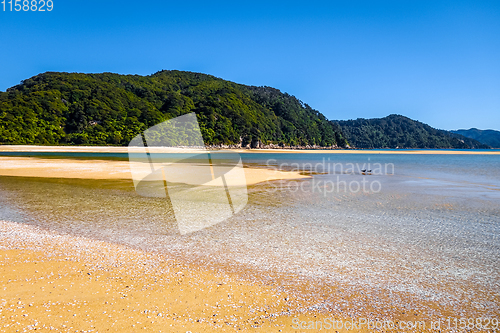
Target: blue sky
434 61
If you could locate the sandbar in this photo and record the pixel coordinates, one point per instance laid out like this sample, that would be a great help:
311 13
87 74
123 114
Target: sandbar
107 169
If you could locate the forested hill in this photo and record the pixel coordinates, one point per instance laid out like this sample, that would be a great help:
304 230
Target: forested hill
488 137
397 131
111 109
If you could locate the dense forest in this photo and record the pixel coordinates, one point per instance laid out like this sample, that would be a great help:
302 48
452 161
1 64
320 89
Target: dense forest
396 131
488 137
110 109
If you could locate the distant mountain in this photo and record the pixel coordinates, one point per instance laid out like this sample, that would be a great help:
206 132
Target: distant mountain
111 109
396 131
488 137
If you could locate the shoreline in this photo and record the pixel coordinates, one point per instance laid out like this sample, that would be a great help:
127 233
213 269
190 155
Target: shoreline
116 149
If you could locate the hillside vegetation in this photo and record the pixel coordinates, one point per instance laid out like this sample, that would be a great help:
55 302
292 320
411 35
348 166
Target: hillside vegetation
488 137
111 109
396 131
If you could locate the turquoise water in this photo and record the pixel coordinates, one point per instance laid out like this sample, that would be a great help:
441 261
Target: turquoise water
429 227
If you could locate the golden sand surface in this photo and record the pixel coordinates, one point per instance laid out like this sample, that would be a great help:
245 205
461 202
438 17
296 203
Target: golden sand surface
112 149
58 282
107 169
51 281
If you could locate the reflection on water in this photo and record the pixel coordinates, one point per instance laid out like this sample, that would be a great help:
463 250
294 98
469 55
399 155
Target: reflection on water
432 230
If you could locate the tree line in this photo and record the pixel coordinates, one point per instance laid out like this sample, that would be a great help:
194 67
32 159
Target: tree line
110 109
57 108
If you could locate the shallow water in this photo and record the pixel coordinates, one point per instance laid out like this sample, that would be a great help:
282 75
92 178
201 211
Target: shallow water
429 227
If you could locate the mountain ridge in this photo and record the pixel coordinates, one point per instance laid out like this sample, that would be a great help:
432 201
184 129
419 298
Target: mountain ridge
489 137
397 131
54 108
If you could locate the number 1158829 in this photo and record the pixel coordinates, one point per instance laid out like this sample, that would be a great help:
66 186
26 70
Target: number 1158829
27 5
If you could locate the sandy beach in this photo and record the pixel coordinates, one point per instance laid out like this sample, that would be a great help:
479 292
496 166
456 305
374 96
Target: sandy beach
59 282
51 280
65 283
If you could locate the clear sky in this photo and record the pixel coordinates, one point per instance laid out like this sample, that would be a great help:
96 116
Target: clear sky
434 61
